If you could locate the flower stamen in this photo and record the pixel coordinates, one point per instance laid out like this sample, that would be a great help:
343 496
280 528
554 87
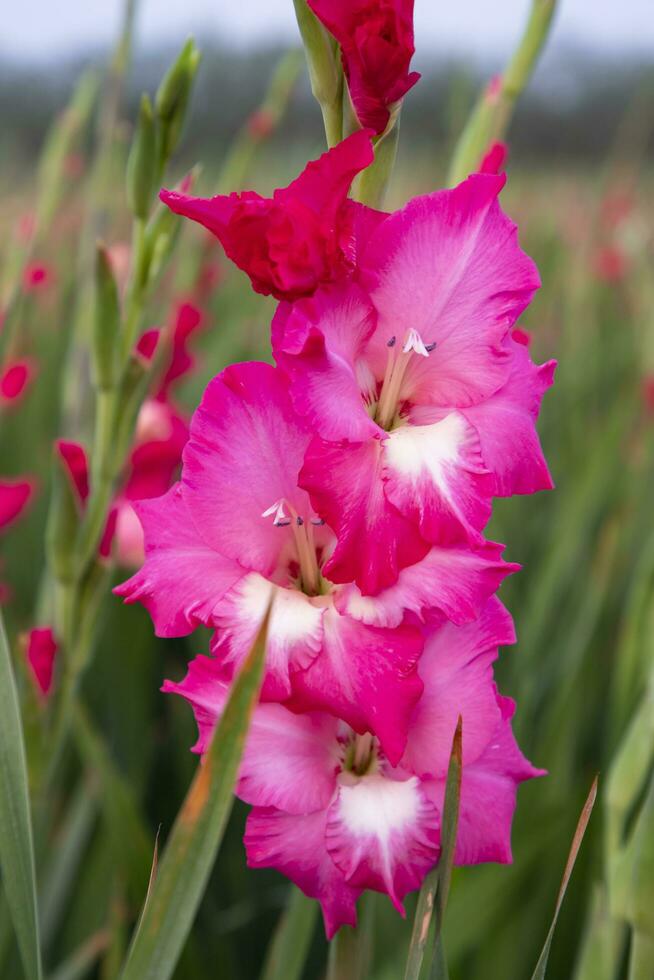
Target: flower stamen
396 365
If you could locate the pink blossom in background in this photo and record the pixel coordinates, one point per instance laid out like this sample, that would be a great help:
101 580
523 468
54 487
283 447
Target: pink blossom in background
301 237
14 498
610 264
41 651
37 276
376 39
15 379
416 431
334 814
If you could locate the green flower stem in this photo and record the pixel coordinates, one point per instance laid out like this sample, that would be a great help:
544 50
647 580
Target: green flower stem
491 116
370 186
325 71
641 959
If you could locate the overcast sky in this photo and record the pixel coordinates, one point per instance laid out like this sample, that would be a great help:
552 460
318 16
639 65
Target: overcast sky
46 29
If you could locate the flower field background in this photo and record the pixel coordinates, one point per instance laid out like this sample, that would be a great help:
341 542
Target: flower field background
107 755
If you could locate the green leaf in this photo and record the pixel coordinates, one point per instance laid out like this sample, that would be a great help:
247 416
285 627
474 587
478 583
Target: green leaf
16 846
196 836
541 966
290 943
436 886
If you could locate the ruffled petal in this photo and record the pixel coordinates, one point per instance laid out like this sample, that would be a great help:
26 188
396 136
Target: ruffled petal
366 676
319 342
383 834
243 457
505 425
294 635
374 540
456 668
296 846
183 580
289 760
488 795
435 476
454 581
449 266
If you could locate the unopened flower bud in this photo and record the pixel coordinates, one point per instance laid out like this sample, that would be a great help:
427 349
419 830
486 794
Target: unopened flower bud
142 162
106 322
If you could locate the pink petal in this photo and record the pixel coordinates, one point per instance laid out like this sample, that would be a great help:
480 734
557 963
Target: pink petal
375 541
41 653
509 442
456 668
295 845
289 760
183 579
244 455
488 795
366 676
435 476
319 343
14 497
299 239
295 632
383 834
74 460
324 183
456 581
448 265
14 380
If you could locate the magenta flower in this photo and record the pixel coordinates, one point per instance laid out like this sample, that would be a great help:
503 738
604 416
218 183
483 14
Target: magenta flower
300 238
238 531
336 815
422 402
376 39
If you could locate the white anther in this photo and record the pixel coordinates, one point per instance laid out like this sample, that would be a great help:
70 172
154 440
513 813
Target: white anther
415 343
281 517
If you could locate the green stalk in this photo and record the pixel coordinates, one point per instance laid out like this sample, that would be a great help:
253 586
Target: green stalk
325 72
491 116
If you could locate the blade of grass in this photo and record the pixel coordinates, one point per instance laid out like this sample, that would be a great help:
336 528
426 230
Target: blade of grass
16 844
289 946
541 966
196 836
70 846
435 887
79 964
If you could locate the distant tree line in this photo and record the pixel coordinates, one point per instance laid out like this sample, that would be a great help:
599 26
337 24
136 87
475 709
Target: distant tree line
578 108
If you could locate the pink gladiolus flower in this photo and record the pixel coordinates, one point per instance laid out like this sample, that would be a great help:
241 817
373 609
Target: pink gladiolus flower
41 651
301 237
336 815
423 404
238 532
14 380
376 39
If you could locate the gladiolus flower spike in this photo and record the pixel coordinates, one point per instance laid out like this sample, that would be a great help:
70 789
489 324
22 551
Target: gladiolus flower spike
347 489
